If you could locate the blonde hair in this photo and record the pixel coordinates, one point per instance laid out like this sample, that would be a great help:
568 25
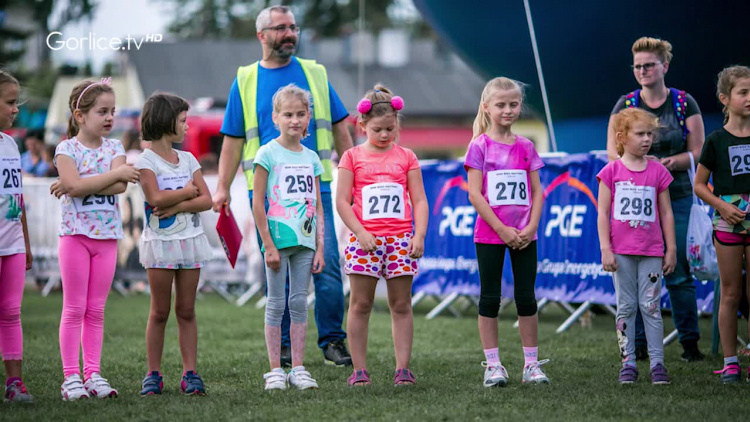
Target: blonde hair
625 119
293 92
727 80
482 122
380 97
84 103
7 78
662 48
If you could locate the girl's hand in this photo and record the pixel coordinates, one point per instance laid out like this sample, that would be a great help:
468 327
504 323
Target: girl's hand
511 237
191 190
29 259
416 247
273 259
730 213
367 241
128 173
669 262
319 261
57 189
609 262
167 212
527 236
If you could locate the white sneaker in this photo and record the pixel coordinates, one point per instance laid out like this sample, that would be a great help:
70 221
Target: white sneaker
533 374
276 379
98 387
494 375
301 379
72 388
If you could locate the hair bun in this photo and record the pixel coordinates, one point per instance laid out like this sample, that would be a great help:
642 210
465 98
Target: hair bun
364 105
397 103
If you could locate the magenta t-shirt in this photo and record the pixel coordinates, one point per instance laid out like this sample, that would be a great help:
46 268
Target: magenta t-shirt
635 228
506 184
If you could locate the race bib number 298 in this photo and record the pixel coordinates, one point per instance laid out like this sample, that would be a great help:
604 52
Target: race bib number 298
635 203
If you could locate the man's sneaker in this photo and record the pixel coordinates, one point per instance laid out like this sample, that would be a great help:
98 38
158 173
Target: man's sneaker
152 384
275 380
98 387
286 356
659 375
192 384
628 374
16 392
72 388
532 373
691 353
495 375
301 379
641 352
336 353
730 374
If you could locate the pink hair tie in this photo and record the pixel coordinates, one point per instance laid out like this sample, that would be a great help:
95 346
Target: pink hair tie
364 106
397 103
104 81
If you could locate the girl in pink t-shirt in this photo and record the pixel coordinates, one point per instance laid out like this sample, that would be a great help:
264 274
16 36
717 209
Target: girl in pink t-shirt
504 188
635 221
381 179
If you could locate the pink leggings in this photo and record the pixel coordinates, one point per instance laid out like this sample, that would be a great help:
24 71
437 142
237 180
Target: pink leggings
87 267
12 273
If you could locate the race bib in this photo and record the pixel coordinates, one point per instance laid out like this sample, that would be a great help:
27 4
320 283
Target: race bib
172 181
10 176
383 200
297 181
93 202
507 187
739 159
635 202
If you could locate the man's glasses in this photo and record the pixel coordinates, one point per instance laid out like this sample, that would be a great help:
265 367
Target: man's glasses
283 28
644 66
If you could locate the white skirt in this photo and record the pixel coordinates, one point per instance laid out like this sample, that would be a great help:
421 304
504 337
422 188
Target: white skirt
181 252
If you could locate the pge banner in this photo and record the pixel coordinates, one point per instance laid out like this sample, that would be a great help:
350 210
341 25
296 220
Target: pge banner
569 267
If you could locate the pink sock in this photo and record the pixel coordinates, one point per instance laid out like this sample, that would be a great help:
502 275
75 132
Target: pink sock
530 354
492 355
87 267
12 273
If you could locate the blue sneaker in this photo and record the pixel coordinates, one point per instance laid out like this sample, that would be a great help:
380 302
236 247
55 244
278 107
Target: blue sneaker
152 384
192 384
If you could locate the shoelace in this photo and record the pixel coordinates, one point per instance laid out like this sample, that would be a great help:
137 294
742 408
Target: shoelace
495 369
535 369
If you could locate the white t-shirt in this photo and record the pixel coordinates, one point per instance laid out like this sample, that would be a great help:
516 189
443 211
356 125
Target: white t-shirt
94 216
11 201
170 176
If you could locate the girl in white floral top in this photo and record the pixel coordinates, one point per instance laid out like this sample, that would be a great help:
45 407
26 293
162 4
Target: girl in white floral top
92 173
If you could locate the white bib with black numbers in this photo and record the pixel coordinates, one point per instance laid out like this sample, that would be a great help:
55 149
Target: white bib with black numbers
635 202
383 200
172 181
94 202
10 176
507 187
297 181
739 159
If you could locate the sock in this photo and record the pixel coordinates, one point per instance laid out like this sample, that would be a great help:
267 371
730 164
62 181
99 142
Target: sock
492 355
731 359
530 355
10 381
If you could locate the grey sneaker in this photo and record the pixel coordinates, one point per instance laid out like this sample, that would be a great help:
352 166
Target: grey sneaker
628 374
730 374
494 375
659 375
16 392
336 353
533 374
300 378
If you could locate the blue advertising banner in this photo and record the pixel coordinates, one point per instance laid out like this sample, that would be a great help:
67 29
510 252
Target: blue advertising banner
569 267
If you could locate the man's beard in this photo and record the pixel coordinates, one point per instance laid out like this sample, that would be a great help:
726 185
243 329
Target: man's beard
283 52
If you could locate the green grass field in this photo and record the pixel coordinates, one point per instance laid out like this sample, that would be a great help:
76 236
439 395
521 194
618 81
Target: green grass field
447 353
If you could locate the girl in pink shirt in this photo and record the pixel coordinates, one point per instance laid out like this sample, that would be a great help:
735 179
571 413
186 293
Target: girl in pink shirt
381 179
504 188
634 213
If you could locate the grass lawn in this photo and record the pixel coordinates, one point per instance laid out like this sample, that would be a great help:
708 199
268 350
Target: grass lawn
447 353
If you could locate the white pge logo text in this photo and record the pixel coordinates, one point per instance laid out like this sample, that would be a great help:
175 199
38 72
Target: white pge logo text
567 220
460 220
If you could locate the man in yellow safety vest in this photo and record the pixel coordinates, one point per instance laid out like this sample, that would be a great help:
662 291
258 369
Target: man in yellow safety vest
248 125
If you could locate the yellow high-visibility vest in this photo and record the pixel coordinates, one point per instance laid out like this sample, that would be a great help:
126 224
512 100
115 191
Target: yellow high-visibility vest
317 79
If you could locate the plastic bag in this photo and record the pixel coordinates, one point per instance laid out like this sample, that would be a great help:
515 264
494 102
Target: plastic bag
701 253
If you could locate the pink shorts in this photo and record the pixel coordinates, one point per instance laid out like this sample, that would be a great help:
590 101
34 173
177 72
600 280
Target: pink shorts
732 239
389 260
